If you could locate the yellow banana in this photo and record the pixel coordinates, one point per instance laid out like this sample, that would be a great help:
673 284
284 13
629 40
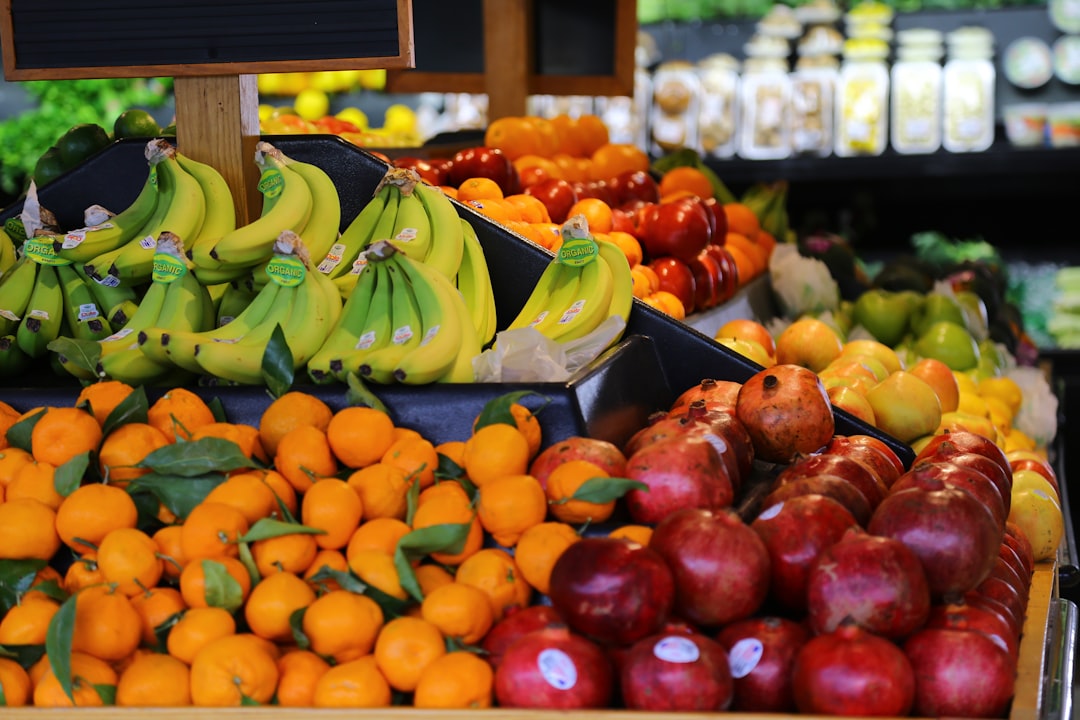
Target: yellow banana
8 256
220 216
474 282
447 232
412 226
587 309
444 323
345 334
622 291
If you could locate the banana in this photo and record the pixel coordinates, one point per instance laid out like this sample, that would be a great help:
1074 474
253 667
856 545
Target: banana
412 227
474 282
98 267
555 278
588 308
447 234
622 292
144 317
445 322
16 287
187 302
345 333
374 334
135 368
117 303
184 217
384 226
357 235
120 313
85 318
322 228
218 275
234 301
44 314
253 243
8 256
220 214
89 242
461 371
407 329
12 359
216 292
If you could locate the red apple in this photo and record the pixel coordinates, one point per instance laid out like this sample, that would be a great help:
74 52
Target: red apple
720 223
435 172
677 278
632 185
593 189
707 281
679 228
491 163
623 221
557 195
729 271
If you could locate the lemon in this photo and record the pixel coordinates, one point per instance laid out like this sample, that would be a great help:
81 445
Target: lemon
1000 413
354 115
400 120
372 79
270 83
1018 440
1003 388
973 404
135 123
266 112
312 104
965 383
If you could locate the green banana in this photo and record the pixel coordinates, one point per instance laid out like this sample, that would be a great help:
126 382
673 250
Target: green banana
98 267
234 301
117 302
119 315
85 318
16 287
44 314
445 322
474 282
88 243
356 236
378 365
220 214
8 255
187 302
12 358
374 334
412 229
384 226
253 243
145 316
184 218
447 232
345 333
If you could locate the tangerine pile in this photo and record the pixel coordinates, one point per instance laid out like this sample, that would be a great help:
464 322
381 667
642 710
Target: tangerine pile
325 558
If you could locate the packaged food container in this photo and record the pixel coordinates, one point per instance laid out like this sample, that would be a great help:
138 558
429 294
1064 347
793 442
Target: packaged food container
915 102
820 40
862 96
780 21
817 12
1063 122
968 109
676 107
1067 59
765 96
1028 63
718 121
813 91
1025 124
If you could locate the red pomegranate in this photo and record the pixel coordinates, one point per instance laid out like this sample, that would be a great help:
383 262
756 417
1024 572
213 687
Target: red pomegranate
761 654
787 411
717 394
556 669
832 486
959 673
682 471
515 624
676 673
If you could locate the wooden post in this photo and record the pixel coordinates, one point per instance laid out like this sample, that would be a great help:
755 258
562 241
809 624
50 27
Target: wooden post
507 55
217 122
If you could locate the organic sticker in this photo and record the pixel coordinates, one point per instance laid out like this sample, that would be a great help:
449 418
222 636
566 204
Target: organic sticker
14 227
676 649
271 183
41 251
167 268
557 669
286 271
744 657
577 251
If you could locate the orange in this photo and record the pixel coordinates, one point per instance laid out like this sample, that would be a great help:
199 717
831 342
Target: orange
198 592
548 235
211 530
573 169
157 606
430 577
646 281
404 433
518 136
592 133
538 549
479 188
527 424
284 492
454 450
405 646
35 480
168 542
289 411
196 628
82 572
103 397
745 262
741 219
179 412
380 534
272 601
47 574
377 569
461 612
535 168
354 684
27 622
568 135
532 209
231 668
87 672
328 559
11 459
248 493
128 558
62 433
495 210
154 680
686 179
334 507
298 672
292 553
303 456
611 159
382 490
448 503
6 421
637 533
107 626
564 481
125 447
756 252
342 625
416 456
16 683
27 530
496 450
458 679
510 505
629 245
245 437
766 240
597 212
359 436
495 572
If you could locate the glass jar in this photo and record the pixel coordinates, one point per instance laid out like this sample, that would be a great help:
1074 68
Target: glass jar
915 122
862 95
719 105
813 90
676 100
968 106
764 127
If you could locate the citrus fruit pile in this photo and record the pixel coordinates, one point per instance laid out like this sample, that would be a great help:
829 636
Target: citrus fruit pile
153 553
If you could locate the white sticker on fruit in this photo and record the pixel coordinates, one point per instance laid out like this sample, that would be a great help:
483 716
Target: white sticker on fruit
88 311
148 243
744 657
39 314
717 442
557 669
120 334
402 335
108 281
430 334
676 649
771 511
9 315
366 340
73 239
407 234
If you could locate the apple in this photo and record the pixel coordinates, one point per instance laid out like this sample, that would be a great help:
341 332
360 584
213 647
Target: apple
707 281
750 349
677 278
491 163
885 314
935 307
950 343
858 383
905 406
1030 460
976 316
959 420
730 271
939 376
863 347
720 221
593 189
434 171
557 195
623 221
748 329
808 342
864 367
631 185
853 402
678 229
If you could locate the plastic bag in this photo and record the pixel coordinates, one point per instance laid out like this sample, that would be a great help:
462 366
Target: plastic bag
526 355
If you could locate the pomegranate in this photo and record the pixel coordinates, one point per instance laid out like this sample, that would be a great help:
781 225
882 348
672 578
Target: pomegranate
985 602
685 471
787 411
612 590
1010 554
951 532
553 668
717 394
961 615
959 673
960 477
727 426
875 582
718 427
761 654
676 673
881 446
832 486
966 441
850 671
720 565
1018 541
1009 597
851 470
974 461
599 452
513 625
885 468
795 532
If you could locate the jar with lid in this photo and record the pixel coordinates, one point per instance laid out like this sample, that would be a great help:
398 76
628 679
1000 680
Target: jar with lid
765 97
676 103
862 95
915 96
968 83
813 89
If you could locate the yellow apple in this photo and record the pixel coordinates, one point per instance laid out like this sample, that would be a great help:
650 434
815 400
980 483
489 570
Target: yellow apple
809 343
939 376
748 329
749 349
1031 480
853 402
905 406
876 349
857 383
869 362
1039 517
960 420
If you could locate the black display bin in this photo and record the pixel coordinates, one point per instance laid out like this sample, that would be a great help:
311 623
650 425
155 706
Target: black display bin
683 356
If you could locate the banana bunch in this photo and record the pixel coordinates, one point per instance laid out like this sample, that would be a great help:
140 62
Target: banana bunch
297 196
769 203
587 282
415 216
404 322
304 303
175 299
8 254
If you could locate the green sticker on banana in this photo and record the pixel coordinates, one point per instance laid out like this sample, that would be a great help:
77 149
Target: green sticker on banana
577 252
166 268
286 271
271 183
42 251
15 229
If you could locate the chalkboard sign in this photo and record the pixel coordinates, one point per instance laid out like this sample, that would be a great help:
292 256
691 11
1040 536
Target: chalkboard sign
57 39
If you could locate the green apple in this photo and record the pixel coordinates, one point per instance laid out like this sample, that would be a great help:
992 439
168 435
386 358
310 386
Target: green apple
950 343
976 317
884 314
936 307
905 406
